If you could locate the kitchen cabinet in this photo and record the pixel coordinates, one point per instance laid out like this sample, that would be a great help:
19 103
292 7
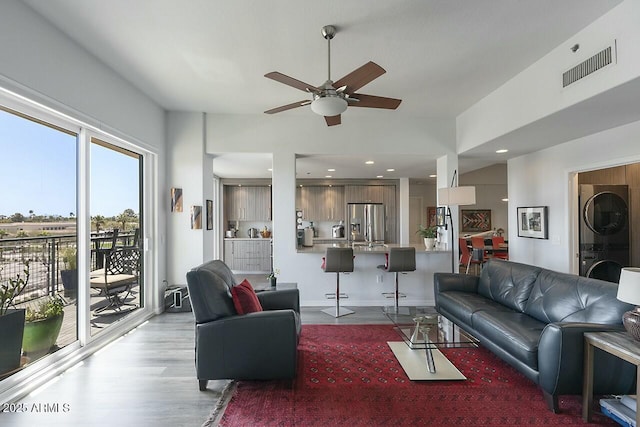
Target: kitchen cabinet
364 193
247 203
250 255
321 203
390 209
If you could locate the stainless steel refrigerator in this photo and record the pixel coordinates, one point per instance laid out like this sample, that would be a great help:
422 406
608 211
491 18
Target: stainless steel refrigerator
365 222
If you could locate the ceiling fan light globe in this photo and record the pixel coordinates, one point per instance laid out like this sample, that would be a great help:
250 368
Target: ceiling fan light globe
329 106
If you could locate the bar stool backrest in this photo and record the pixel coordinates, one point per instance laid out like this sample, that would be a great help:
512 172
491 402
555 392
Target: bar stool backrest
338 260
401 259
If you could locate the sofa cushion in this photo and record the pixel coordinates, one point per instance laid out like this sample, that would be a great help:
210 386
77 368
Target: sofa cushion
209 291
515 332
508 283
245 299
462 305
560 297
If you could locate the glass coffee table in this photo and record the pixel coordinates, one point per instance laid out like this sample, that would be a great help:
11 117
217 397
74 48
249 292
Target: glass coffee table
425 329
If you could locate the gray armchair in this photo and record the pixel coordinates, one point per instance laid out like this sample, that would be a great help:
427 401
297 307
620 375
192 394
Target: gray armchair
253 346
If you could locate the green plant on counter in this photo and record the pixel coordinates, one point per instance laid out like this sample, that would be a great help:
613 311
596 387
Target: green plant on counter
46 309
427 232
14 287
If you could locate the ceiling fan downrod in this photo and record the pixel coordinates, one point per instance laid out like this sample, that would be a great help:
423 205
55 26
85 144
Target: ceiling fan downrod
328 31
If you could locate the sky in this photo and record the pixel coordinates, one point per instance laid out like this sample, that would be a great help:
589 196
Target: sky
38 172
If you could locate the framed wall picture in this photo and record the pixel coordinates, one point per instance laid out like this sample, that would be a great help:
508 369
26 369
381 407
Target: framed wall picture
196 217
532 222
432 219
209 214
441 216
475 220
176 200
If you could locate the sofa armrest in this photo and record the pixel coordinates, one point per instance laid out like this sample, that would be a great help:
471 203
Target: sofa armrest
561 358
260 345
279 300
444 282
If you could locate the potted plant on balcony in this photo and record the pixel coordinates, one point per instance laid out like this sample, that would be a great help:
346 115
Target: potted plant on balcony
429 234
11 321
42 326
69 275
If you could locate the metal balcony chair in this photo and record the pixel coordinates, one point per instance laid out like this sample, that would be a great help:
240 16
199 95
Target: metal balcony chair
116 280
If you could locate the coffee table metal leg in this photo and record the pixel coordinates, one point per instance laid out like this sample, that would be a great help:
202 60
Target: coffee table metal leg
416 331
431 365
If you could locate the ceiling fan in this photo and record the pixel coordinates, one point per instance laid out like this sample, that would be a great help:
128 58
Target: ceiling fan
331 99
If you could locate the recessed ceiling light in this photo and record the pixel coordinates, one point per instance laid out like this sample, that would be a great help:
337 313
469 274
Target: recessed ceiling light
391 170
331 170
369 162
328 176
433 176
379 176
502 150
505 200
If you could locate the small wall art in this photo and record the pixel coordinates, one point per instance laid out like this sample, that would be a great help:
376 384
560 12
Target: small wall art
176 199
196 217
532 222
209 214
441 216
432 219
475 220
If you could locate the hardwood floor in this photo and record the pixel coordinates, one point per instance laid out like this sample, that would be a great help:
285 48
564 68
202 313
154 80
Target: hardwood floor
146 378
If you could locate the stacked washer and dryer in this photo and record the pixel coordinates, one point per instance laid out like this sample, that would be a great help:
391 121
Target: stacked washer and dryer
604 231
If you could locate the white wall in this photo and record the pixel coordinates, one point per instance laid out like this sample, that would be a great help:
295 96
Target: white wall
491 188
545 179
40 60
190 169
536 92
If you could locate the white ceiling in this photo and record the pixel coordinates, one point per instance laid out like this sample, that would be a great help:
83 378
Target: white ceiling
202 55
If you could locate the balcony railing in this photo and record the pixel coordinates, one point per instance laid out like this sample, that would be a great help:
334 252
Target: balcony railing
45 257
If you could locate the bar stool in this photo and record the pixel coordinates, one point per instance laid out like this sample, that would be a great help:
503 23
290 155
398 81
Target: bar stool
337 260
399 260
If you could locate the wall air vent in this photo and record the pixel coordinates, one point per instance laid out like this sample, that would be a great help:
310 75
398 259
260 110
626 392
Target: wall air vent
583 69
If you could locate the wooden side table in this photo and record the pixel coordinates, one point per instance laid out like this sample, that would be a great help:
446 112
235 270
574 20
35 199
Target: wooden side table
619 344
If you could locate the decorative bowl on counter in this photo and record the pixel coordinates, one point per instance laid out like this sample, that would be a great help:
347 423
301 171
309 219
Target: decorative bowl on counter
265 234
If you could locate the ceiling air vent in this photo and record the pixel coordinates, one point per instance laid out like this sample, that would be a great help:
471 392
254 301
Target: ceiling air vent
583 69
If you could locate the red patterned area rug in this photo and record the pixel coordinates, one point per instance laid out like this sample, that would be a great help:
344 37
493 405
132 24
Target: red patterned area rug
348 376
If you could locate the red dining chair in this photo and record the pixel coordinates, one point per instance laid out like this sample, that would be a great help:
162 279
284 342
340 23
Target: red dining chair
466 259
477 243
498 251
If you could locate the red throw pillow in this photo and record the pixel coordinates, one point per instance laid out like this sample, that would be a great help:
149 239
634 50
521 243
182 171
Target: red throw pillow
245 299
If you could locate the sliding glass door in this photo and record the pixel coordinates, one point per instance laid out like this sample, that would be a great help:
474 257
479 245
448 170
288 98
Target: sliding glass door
116 279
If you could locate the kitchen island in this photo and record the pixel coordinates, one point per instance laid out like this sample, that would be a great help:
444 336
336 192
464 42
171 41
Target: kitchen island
366 283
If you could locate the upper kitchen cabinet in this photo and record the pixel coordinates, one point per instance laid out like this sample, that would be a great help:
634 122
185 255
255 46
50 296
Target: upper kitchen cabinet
248 203
364 193
321 203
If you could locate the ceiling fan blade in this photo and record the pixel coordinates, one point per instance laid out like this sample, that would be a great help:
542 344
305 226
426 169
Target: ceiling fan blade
288 106
372 101
333 120
360 77
290 81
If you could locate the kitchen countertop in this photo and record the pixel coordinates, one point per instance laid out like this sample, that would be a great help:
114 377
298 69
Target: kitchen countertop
320 248
247 238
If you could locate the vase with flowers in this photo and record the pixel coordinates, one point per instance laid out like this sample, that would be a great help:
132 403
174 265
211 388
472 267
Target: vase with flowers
273 277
